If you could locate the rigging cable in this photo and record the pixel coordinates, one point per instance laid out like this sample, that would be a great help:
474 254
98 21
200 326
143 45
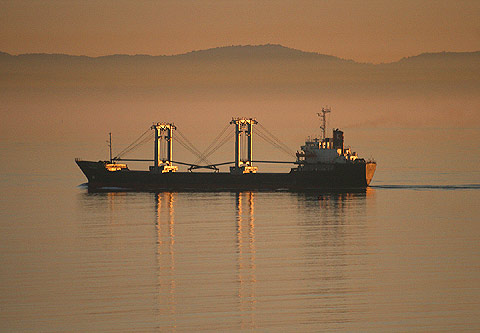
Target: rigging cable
130 145
221 144
189 148
285 147
273 143
193 148
133 147
214 142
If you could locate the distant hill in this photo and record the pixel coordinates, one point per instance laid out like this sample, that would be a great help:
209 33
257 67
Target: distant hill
447 57
268 51
241 68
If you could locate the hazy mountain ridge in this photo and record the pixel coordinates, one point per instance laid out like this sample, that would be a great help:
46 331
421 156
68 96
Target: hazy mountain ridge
267 51
270 67
432 56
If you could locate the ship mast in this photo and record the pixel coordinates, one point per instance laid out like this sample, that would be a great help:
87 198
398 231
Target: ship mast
323 116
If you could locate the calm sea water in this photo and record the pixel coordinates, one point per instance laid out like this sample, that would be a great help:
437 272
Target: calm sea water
405 255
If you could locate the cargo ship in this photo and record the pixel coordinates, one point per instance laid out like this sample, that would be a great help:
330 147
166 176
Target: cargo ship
321 164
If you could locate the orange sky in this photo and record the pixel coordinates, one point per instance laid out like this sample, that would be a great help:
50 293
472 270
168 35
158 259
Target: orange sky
363 30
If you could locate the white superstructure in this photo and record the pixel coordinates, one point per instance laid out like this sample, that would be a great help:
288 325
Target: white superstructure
328 150
325 150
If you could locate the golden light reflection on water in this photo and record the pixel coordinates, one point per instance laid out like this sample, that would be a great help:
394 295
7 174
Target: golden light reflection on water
165 249
246 258
114 199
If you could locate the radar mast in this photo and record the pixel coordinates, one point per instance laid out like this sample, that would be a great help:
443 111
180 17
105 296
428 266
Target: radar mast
323 116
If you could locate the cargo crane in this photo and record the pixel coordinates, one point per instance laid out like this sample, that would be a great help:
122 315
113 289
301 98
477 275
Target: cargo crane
163 148
243 138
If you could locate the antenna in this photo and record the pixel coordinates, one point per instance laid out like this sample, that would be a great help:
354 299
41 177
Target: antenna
110 145
323 116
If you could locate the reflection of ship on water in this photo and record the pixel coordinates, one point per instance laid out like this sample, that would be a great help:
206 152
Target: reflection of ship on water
239 257
246 252
338 201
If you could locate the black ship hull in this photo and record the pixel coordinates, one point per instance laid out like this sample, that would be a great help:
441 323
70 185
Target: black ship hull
329 177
